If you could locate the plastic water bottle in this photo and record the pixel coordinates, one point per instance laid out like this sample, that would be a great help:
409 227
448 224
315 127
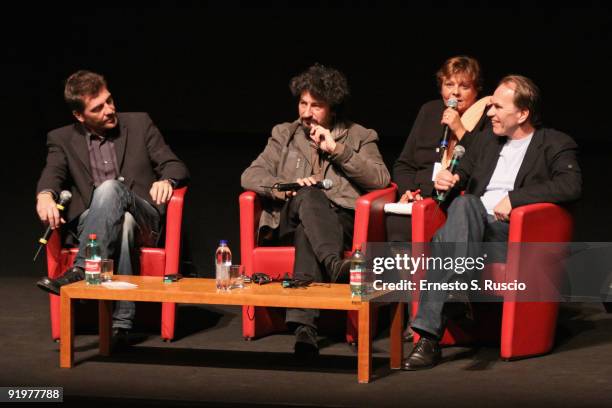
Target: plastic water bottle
223 262
92 261
358 273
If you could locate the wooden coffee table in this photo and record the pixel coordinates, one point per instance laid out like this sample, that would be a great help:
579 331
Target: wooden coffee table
203 291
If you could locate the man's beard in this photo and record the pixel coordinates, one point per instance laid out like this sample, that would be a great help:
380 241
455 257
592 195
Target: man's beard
306 126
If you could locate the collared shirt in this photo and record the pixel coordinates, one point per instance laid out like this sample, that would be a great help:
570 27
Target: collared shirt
102 158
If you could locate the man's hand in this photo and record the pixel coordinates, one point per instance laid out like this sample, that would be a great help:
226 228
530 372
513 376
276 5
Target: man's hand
47 210
304 182
445 180
503 209
410 196
323 138
452 118
161 191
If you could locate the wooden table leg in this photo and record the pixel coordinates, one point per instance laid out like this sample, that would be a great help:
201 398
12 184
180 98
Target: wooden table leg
105 311
395 335
66 331
364 344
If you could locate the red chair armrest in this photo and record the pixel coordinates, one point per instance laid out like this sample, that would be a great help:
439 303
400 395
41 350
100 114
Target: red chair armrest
370 215
426 219
250 212
174 216
541 222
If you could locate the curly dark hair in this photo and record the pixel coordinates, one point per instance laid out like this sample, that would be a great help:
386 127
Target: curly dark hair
327 84
80 84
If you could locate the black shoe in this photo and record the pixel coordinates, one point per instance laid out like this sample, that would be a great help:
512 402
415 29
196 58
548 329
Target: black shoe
121 337
408 335
425 354
306 346
72 275
340 271
120 332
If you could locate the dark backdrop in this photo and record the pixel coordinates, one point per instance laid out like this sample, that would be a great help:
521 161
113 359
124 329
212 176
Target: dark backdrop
214 78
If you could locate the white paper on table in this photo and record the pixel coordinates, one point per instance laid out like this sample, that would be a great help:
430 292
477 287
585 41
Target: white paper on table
119 285
398 208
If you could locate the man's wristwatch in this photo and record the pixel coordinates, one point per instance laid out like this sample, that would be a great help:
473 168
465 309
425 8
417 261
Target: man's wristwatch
172 182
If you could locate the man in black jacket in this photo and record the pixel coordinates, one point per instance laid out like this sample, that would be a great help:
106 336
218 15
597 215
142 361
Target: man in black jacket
121 174
519 164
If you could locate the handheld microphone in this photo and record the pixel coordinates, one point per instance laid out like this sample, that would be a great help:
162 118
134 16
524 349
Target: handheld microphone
65 197
325 185
454 163
452 103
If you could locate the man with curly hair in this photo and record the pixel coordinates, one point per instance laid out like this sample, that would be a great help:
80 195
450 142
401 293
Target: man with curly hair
321 144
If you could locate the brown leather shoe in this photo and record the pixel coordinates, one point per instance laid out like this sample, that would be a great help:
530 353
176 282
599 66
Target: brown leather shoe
425 354
53 286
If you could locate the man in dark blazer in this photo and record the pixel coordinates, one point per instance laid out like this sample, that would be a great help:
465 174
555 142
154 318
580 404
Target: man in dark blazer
121 174
519 164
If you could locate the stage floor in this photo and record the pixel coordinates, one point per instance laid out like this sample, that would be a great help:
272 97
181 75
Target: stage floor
211 365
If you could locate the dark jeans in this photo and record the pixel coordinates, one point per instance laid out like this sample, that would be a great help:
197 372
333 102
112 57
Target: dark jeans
320 232
123 222
468 223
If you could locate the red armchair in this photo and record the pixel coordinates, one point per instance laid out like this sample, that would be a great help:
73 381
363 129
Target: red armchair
276 261
527 327
153 262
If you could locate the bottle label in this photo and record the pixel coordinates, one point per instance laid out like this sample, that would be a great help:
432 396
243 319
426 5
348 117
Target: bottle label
357 271
92 271
357 278
92 265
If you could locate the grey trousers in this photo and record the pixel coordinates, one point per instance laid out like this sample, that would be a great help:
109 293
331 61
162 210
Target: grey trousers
467 225
123 222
